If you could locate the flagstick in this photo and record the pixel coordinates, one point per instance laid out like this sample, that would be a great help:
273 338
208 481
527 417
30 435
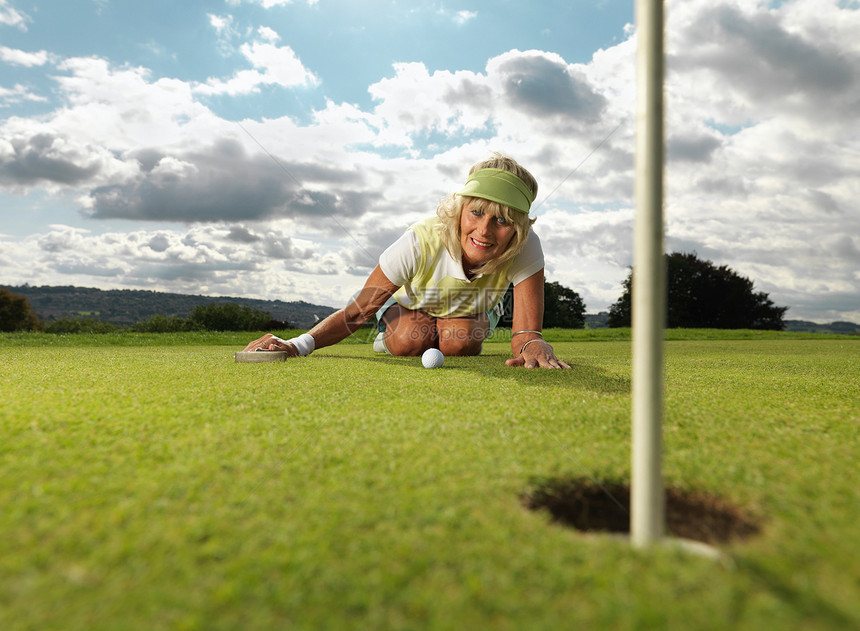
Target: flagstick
647 504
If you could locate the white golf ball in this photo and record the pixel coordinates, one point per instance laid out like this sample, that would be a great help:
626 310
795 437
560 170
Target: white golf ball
432 358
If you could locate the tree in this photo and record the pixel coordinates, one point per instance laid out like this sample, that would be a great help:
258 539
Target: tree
701 295
229 317
563 307
620 314
15 313
163 324
79 325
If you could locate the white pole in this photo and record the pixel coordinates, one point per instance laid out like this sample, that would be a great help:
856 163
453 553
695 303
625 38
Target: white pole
647 504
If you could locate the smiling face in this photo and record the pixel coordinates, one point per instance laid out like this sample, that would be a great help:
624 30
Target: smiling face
483 236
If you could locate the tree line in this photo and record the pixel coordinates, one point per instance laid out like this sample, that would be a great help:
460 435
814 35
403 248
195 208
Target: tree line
131 306
702 295
16 315
699 295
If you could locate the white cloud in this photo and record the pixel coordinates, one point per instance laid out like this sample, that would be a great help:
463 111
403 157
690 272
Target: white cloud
55 162
458 17
274 65
170 169
200 259
461 17
243 82
10 16
220 23
122 109
23 58
267 34
269 4
415 102
17 94
225 32
280 63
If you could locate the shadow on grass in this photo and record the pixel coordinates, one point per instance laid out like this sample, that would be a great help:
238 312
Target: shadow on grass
805 602
492 366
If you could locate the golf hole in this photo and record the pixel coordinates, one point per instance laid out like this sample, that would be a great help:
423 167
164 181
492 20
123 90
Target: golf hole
593 506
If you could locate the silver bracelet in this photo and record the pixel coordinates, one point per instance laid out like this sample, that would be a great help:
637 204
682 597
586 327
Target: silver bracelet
529 342
518 332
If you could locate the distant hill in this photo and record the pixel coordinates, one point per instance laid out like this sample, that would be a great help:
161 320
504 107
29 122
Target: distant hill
598 320
844 328
128 306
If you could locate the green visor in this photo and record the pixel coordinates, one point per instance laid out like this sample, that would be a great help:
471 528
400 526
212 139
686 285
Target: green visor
499 186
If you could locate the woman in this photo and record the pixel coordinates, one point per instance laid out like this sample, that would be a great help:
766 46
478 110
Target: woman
441 283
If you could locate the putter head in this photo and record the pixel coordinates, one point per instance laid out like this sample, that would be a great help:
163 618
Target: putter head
260 356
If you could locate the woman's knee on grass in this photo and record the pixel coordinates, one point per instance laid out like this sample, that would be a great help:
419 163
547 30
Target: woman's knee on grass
408 333
463 336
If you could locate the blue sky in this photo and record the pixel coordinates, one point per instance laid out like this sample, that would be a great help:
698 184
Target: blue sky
267 148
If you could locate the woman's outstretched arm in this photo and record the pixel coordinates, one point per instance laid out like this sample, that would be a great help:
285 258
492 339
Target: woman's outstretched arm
339 325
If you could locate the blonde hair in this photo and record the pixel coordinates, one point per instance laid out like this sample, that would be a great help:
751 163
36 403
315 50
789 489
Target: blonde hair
450 209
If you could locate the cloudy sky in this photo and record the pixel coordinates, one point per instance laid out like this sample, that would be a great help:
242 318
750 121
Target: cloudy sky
273 148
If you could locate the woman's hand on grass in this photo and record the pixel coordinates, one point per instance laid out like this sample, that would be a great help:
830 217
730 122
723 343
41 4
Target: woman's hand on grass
538 354
271 342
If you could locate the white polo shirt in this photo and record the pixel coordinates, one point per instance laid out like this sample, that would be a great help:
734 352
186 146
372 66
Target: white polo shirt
434 282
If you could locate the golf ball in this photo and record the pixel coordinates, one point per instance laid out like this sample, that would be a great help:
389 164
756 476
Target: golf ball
432 358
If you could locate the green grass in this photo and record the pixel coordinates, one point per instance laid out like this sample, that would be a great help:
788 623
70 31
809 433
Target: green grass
153 483
128 338
215 338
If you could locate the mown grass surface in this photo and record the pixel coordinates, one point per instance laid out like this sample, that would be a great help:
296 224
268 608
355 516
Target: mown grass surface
150 487
366 334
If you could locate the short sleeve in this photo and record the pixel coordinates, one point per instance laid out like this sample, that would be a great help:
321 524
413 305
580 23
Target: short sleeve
528 262
400 260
